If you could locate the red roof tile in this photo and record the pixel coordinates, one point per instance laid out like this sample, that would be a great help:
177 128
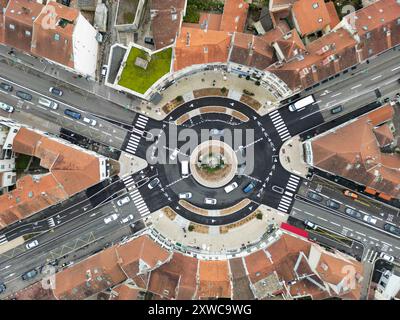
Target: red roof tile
310 16
234 16
214 279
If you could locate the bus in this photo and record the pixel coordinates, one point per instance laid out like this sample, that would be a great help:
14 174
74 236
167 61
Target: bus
302 103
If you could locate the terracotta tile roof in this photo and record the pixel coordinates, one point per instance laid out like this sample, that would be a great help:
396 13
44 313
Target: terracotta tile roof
195 46
89 277
214 279
290 45
166 20
20 14
310 15
140 256
359 159
251 51
55 42
126 292
234 16
274 34
71 171
330 6
175 279
326 56
240 282
258 265
384 135
211 20
3 5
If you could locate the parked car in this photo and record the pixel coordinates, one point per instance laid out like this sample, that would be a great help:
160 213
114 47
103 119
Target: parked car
29 275
186 195
149 40
353 213
104 70
250 187
72 114
92 122
332 204
5 107
392 229
231 187
23 95
3 288
310 224
56 91
371 220
153 183
337 109
32 244
127 218
110 218
48 103
123 201
314 196
386 257
210 201
216 132
350 194
6 87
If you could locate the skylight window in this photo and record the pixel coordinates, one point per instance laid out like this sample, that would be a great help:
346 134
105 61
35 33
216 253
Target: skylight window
315 5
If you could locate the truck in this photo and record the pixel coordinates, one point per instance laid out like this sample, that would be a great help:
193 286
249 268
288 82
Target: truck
302 103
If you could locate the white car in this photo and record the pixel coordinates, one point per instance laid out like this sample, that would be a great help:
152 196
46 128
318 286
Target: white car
123 201
127 218
6 107
231 187
210 201
369 219
174 154
104 70
108 219
32 244
310 224
386 257
92 122
186 195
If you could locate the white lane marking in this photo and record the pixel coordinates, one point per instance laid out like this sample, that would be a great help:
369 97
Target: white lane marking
336 224
373 238
337 94
323 219
396 68
386 243
362 234
310 214
377 77
357 86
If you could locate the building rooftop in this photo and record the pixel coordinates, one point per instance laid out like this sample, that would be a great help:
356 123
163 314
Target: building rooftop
23 11
71 170
310 15
214 279
234 16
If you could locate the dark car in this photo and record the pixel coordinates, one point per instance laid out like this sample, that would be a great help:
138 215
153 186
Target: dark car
24 95
337 109
56 91
313 196
29 275
2 287
392 229
72 114
149 40
6 87
154 183
333 204
353 213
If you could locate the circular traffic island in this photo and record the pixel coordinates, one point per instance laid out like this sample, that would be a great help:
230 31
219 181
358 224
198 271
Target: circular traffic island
213 163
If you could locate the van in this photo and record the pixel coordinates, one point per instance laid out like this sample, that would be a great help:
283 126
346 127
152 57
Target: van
48 104
185 169
72 114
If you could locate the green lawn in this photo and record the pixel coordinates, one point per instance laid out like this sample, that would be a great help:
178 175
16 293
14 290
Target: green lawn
138 79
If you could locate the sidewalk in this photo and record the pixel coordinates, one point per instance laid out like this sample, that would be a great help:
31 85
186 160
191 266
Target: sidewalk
291 156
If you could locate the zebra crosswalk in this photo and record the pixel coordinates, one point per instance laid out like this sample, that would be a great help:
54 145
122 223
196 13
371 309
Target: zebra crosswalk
129 182
140 204
279 125
370 256
287 197
51 222
133 143
141 121
3 239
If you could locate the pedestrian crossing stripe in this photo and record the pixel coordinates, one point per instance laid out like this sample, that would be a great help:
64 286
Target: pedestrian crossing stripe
3 239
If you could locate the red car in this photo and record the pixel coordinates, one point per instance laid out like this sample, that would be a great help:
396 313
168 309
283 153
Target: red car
350 194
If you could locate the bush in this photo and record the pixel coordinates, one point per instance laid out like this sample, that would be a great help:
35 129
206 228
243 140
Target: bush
223 90
179 99
258 83
259 216
191 227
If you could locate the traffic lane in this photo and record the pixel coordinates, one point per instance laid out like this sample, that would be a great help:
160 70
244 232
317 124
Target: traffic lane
86 101
367 236
366 205
102 131
49 242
